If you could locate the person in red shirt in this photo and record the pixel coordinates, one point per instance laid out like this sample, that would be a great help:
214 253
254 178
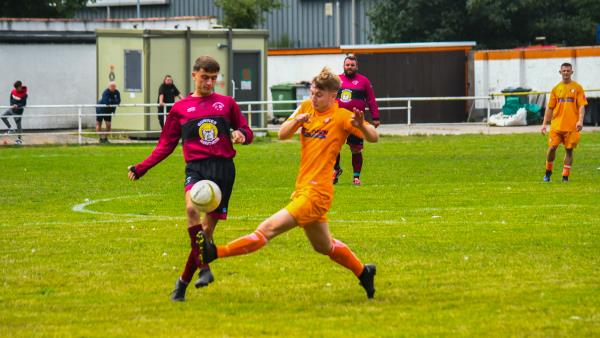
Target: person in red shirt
18 100
208 125
566 109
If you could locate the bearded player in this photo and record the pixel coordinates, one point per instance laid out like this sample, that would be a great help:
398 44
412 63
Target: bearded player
355 92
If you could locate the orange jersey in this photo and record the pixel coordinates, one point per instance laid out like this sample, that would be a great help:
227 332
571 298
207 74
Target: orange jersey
322 137
565 101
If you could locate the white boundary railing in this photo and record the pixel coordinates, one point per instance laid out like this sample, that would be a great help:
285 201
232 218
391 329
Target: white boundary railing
248 107
80 115
408 107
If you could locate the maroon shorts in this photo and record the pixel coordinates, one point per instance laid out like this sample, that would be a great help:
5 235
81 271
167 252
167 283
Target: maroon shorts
355 142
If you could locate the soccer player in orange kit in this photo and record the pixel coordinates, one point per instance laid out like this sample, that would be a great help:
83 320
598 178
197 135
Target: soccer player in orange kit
566 109
324 128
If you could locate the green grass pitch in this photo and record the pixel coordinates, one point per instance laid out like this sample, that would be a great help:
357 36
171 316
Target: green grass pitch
467 238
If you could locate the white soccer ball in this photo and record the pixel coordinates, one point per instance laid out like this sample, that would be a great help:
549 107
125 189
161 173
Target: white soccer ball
205 195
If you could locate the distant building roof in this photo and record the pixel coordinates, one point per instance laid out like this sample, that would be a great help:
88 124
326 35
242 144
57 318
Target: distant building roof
412 45
175 18
379 48
29 37
46 30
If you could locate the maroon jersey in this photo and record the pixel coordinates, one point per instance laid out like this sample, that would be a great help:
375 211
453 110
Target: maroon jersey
204 125
357 92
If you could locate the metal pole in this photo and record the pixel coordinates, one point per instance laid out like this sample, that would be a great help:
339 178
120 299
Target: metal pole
164 114
188 60
138 9
353 23
409 110
230 91
489 109
79 122
250 115
338 32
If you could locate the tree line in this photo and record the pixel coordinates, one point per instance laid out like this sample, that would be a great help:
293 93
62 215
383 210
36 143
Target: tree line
491 23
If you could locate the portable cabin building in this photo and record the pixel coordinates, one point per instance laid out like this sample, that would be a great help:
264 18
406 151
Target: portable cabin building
138 60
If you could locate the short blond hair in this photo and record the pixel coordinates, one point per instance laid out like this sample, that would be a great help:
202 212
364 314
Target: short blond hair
327 80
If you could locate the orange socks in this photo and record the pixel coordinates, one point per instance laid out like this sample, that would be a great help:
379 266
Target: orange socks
566 170
243 245
341 254
549 166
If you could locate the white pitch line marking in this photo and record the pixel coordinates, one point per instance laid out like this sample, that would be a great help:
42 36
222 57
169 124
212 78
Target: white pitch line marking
182 219
82 207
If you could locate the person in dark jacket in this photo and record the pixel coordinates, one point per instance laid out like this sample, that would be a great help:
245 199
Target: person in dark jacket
18 100
110 96
167 92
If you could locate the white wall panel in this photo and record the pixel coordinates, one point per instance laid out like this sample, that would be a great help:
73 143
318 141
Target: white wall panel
54 74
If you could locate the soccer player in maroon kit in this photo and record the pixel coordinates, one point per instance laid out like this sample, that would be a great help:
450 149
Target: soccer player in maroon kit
208 124
356 92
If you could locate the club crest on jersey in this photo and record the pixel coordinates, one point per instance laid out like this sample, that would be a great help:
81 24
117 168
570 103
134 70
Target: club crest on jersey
208 132
355 82
218 106
346 95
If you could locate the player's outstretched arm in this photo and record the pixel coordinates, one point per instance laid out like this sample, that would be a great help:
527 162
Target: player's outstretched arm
169 138
289 127
132 174
358 121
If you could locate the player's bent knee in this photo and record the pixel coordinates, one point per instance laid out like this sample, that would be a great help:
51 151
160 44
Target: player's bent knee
192 212
322 248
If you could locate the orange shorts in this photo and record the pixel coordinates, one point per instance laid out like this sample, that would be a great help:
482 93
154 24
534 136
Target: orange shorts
569 138
308 206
